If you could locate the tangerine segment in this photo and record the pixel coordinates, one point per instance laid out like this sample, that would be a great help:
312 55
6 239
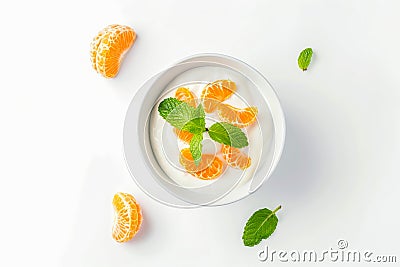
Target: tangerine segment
109 47
187 161
185 95
240 117
216 92
210 166
128 217
235 158
95 45
185 136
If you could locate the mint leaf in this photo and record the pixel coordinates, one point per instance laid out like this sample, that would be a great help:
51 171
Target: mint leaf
197 124
184 117
168 105
226 133
179 113
199 113
196 147
305 58
260 226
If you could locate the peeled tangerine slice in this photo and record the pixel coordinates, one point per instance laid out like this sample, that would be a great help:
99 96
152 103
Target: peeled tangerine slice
109 47
236 116
185 95
128 217
185 136
210 166
235 158
215 93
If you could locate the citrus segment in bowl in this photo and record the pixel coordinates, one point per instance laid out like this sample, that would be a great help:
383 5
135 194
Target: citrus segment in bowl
240 117
127 217
186 160
185 136
216 92
185 95
210 167
235 157
109 47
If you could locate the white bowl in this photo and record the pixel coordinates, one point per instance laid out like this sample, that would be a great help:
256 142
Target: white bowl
144 156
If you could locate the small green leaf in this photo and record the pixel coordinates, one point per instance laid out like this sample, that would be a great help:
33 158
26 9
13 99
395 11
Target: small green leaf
194 126
226 133
199 112
197 124
305 58
260 226
196 147
168 105
185 117
176 112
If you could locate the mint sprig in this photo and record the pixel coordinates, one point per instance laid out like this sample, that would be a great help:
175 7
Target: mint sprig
196 147
185 117
197 124
179 113
228 134
167 106
304 59
260 226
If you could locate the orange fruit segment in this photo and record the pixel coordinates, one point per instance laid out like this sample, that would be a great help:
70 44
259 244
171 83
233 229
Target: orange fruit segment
95 45
109 47
185 95
216 92
210 166
128 217
235 158
240 117
187 161
185 136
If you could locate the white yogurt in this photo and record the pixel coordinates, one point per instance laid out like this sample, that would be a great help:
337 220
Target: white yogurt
166 145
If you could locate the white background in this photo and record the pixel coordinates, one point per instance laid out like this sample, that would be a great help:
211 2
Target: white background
61 129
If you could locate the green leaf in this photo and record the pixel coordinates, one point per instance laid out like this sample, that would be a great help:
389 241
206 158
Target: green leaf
305 58
182 116
196 147
260 226
168 105
226 133
199 112
194 126
197 124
